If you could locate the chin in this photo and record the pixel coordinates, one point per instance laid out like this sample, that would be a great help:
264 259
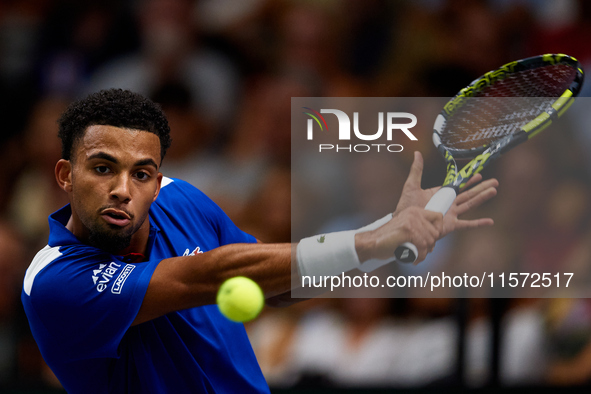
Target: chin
110 242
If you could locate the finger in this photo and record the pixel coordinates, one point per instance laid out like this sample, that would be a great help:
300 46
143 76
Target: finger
435 233
427 244
416 170
432 248
420 258
433 217
476 178
465 224
472 198
431 230
473 180
476 200
468 194
475 191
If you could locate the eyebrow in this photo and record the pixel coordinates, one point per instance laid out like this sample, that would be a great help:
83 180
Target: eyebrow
108 157
104 156
146 162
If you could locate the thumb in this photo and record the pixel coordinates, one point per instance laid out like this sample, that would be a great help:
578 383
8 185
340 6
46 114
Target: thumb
434 217
416 170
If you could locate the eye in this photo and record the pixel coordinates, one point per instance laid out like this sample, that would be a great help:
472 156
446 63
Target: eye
142 176
102 169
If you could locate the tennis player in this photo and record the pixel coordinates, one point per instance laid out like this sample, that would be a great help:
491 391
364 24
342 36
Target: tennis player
121 300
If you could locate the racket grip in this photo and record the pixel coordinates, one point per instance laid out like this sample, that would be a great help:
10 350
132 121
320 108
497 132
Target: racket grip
406 253
440 202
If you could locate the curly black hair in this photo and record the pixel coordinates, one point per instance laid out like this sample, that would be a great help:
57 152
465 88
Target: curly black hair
112 107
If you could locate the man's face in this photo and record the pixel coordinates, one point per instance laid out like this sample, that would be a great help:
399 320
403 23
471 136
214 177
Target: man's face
113 179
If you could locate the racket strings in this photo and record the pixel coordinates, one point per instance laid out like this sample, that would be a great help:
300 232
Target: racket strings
483 120
547 81
505 106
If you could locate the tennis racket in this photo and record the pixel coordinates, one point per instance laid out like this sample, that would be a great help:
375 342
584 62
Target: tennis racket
495 113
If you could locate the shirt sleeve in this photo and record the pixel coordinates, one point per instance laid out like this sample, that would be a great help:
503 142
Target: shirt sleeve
205 210
86 303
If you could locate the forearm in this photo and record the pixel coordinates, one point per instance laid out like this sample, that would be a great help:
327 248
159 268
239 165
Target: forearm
191 281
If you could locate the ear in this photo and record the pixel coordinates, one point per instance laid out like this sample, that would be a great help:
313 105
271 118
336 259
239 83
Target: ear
158 185
63 175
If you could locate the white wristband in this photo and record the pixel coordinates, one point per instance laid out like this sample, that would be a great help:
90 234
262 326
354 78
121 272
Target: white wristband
327 254
333 253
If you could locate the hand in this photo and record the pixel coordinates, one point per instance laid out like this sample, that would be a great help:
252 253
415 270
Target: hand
413 195
413 224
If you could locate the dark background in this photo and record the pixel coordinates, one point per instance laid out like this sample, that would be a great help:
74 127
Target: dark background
224 72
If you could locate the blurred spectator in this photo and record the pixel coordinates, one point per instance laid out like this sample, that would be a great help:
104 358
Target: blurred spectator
236 146
563 27
77 38
12 155
459 41
522 347
272 336
568 323
36 193
549 247
305 63
12 269
195 158
360 344
20 29
170 51
242 29
526 178
368 29
273 199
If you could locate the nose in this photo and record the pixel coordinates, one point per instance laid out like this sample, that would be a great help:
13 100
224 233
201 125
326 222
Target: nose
121 188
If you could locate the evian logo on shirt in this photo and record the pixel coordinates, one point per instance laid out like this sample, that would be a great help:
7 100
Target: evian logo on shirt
103 275
193 253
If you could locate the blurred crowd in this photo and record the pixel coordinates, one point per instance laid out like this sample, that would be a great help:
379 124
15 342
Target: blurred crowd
224 72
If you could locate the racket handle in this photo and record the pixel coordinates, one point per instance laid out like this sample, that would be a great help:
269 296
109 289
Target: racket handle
440 202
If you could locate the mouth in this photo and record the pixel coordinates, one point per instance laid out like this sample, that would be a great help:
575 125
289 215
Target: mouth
116 217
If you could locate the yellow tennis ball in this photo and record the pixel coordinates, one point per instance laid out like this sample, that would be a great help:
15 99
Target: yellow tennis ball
240 299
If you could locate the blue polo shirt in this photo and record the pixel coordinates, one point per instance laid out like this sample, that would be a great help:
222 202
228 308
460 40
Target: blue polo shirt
81 302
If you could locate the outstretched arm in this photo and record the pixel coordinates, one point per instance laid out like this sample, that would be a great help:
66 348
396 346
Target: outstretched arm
190 281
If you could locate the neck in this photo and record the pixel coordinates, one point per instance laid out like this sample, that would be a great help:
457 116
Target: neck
139 240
